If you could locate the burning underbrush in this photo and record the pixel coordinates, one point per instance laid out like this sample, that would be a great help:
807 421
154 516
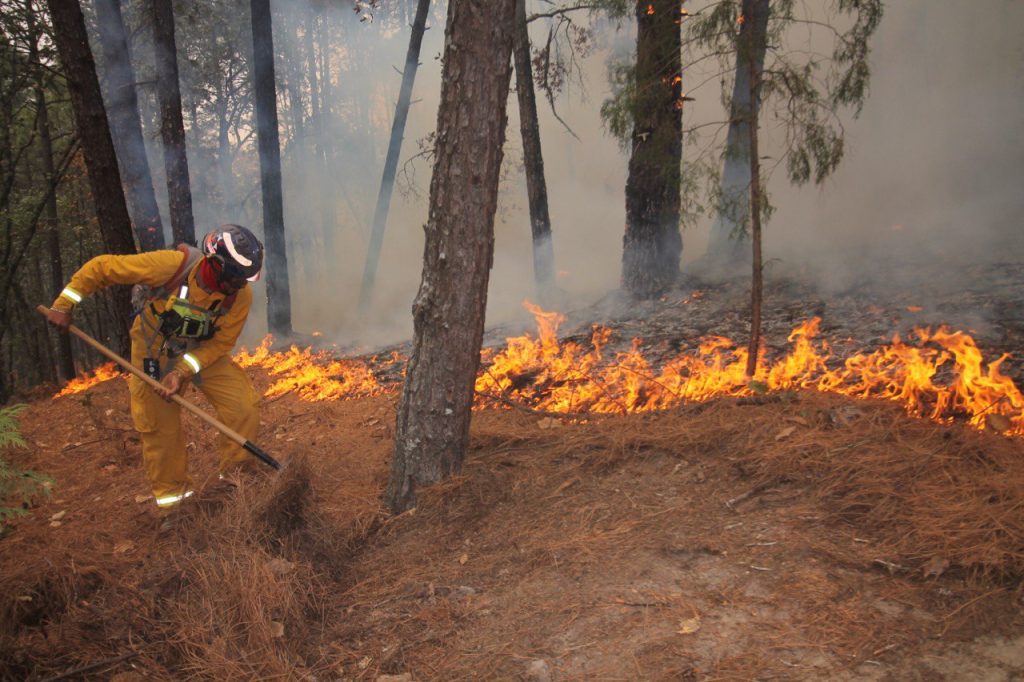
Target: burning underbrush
103 373
313 375
943 376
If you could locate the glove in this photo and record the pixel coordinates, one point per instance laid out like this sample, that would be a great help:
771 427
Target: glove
59 319
170 386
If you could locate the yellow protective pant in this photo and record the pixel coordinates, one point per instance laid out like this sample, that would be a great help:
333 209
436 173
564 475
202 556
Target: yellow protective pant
232 395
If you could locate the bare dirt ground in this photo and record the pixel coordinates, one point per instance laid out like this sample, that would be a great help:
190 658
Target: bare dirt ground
792 537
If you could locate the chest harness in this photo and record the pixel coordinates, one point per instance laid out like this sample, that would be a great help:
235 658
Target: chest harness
182 325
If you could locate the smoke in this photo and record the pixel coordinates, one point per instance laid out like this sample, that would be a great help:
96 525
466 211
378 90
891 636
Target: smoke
929 184
929 176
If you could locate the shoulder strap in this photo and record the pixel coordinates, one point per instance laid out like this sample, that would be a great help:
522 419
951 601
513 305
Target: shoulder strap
190 256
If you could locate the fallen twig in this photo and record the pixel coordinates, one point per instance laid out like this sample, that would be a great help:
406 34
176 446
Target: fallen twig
892 568
72 446
756 490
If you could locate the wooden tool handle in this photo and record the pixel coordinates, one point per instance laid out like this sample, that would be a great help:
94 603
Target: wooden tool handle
194 409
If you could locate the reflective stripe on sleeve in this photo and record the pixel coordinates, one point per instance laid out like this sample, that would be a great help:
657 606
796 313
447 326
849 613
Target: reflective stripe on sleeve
72 294
171 500
192 362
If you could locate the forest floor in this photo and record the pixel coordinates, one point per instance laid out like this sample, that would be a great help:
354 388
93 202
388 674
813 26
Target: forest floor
802 536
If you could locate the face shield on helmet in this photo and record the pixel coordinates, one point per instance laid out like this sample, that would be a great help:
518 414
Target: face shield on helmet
236 253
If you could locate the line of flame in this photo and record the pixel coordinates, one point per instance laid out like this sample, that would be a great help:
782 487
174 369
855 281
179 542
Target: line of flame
942 377
565 377
102 373
312 375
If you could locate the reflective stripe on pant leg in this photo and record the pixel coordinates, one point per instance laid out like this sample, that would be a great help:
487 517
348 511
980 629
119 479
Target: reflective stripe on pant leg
229 390
171 500
163 446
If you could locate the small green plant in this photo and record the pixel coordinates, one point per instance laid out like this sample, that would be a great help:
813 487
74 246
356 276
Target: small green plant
16 486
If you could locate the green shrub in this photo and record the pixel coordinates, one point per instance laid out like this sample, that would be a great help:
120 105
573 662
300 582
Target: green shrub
16 487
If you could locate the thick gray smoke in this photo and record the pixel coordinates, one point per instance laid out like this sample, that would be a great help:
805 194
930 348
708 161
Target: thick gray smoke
931 182
930 174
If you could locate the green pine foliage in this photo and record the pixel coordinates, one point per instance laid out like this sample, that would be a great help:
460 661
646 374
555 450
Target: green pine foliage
802 92
17 487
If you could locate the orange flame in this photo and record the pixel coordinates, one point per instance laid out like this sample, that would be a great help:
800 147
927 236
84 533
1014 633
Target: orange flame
568 378
89 379
943 376
313 375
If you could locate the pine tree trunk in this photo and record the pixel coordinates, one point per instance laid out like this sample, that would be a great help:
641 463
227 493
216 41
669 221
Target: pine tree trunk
752 40
225 155
97 147
126 127
64 364
40 352
729 239
432 431
536 186
328 203
319 165
387 181
279 315
172 127
652 245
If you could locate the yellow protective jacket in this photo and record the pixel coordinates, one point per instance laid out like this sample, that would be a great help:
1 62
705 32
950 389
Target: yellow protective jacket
155 268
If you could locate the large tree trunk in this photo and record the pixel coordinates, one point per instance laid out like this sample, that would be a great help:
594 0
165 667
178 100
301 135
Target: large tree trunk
387 181
123 110
97 147
279 313
652 244
172 127
432 430
536 186
728 244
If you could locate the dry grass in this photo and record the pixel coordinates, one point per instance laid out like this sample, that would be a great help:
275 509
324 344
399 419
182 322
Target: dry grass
586 545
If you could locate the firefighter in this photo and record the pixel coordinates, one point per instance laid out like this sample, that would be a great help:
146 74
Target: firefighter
191 307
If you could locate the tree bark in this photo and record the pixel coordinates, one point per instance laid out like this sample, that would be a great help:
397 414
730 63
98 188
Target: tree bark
123 110
536 186
387 181
752 42
328 202
317 116
97 147
729 235
64 365
279 315
172 127
652 245
432 431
